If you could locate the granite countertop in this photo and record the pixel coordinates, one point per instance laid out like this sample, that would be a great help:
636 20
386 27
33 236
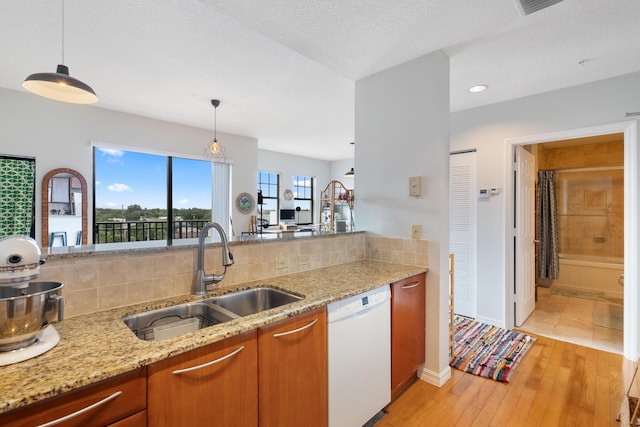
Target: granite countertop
99 346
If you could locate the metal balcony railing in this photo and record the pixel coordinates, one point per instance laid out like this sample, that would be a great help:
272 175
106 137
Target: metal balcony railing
138 231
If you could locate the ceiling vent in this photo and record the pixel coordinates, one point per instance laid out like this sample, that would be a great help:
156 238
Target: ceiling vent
527 7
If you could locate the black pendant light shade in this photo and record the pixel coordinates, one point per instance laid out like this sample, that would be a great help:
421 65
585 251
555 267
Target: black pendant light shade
351 173
60 86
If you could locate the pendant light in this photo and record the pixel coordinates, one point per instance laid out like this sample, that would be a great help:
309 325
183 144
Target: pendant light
60 86
351 173
215 151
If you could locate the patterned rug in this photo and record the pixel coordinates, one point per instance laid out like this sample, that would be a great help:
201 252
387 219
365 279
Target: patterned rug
486 350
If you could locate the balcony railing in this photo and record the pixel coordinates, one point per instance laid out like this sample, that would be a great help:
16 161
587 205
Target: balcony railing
138 231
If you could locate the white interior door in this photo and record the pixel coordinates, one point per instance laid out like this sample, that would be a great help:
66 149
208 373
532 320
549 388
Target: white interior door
524 232
463 230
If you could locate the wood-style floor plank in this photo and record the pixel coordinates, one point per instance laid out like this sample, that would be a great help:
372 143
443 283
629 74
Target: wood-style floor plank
556 384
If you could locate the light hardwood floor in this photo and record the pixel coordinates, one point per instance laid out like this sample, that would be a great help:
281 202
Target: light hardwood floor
556 384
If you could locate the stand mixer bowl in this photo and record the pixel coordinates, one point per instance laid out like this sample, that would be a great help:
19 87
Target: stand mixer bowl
25 311
25 307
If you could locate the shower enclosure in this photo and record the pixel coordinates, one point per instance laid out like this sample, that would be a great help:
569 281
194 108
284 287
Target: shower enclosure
591 228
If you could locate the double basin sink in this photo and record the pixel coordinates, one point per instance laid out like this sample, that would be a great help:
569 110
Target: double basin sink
179 319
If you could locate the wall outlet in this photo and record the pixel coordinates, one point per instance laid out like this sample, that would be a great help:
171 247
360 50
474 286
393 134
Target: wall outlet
416 231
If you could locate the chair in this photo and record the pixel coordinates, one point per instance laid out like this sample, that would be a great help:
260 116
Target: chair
61 234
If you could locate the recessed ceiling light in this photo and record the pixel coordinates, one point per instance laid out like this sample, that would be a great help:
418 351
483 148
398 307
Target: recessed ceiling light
478 88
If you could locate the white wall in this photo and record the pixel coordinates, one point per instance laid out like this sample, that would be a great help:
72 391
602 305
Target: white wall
288 165
487 128
58 135
402 130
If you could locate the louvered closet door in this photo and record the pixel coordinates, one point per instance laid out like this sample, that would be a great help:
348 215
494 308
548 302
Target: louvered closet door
463 223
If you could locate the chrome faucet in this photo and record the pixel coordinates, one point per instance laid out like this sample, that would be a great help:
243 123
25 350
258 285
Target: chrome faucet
199 286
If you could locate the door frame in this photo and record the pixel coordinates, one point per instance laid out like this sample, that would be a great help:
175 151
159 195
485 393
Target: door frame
631 221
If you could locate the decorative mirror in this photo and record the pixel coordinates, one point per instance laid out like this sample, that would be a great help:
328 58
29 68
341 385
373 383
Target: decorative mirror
64 208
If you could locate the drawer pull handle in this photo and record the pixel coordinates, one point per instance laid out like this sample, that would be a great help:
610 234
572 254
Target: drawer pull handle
82 411
204 365
411 286
302 328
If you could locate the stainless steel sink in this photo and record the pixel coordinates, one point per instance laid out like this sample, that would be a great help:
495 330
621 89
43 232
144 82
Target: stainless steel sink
177 320
180 319
251 301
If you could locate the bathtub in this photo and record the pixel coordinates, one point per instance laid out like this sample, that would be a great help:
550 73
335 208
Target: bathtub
591 274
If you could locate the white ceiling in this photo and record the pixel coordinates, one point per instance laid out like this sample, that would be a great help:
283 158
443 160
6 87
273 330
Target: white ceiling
285 70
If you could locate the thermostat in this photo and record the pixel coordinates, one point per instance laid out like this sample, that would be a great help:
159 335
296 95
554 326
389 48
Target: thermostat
484 194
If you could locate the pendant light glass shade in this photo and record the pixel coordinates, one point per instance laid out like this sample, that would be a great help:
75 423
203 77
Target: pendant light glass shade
60 86
215 152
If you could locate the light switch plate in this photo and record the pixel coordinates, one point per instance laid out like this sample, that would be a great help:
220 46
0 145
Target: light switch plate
414 186
416 231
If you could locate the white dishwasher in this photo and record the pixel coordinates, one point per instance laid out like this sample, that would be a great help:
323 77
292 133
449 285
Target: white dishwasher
359 345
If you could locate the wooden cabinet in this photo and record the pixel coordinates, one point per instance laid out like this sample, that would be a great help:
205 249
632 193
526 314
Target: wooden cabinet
293 371
100 404
407 331
212 385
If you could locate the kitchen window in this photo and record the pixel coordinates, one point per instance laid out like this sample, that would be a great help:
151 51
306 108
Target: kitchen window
269 185
142 196
303 198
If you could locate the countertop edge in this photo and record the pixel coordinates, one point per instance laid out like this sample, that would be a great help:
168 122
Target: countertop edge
117 350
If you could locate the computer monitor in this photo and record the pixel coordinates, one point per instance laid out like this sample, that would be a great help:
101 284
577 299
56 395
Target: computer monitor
287 215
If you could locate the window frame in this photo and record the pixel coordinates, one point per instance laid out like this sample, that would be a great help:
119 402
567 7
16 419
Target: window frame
168 159
307 189
269 195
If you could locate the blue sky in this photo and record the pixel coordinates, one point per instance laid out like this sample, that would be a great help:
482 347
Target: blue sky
125 178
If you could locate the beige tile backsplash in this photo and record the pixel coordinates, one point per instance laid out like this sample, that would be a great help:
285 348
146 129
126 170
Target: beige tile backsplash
100 282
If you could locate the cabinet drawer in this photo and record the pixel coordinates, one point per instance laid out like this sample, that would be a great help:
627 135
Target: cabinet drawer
95 405
135 420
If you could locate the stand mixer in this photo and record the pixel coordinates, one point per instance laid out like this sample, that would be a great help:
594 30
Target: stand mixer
26 308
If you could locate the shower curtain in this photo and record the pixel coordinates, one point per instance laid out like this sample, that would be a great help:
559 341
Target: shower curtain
547 211
17 192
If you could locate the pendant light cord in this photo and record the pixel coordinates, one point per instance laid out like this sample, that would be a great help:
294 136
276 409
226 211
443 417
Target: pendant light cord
215 123
62 32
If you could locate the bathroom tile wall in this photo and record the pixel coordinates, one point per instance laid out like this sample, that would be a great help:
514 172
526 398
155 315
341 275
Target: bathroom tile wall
99 282
591 214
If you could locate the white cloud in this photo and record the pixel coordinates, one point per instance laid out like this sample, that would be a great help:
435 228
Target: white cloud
97 182
113 156
183 201
118 188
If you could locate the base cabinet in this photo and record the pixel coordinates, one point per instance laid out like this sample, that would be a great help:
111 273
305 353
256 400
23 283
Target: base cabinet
407 331
213 385
293 371
106 403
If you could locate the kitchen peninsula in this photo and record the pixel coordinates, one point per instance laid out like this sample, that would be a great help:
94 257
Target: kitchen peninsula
97 345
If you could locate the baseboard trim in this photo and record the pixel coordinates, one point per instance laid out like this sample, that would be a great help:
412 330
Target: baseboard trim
436 378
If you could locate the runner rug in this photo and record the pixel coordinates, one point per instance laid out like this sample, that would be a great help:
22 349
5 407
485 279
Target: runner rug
486 350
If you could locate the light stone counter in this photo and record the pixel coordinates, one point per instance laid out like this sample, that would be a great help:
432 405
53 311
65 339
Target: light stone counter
98 346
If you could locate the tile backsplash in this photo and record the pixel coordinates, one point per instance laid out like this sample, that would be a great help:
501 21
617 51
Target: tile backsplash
99 282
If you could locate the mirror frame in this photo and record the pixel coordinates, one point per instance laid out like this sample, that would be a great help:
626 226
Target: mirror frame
45 203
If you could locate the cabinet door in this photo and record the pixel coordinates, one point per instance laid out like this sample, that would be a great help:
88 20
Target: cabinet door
96 405
293 371
212 385
407 330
